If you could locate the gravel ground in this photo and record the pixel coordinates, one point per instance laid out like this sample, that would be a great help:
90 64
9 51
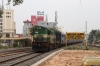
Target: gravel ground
69 58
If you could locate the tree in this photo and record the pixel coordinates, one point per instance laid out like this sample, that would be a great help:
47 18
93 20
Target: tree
1 12
95 33
15 2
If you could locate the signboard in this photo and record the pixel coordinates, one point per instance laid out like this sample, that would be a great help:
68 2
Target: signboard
40 12
73 35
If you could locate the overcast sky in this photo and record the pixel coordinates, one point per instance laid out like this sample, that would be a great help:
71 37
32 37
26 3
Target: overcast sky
72 14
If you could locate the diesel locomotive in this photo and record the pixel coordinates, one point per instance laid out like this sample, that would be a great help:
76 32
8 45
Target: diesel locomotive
45 39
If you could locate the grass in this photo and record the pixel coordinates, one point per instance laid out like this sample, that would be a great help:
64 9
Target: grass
97 52
80 47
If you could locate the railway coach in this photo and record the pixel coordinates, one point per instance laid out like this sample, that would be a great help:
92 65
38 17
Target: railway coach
63 40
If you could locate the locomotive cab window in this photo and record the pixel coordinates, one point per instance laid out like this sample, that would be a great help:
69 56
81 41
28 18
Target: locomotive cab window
48 32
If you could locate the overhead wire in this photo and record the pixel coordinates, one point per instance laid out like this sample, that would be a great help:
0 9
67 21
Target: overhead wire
79 29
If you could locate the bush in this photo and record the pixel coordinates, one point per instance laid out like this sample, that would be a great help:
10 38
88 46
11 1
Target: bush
15 45
70 48
22 43
3 47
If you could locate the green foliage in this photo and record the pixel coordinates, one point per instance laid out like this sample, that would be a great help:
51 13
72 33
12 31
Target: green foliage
70 48
15 2
16 44
22 43
3 47
97 52
75 47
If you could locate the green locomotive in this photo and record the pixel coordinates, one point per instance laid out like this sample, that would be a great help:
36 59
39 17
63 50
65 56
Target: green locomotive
44 39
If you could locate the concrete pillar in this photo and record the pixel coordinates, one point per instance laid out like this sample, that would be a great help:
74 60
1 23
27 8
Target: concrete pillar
10 34
4 35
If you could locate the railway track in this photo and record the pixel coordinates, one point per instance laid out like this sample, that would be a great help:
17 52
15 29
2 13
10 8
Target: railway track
14 52
19 59
24 59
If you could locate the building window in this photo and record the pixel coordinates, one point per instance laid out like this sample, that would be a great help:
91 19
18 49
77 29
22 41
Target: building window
7 35
0 20
0 23
27 24
0 27
8 16
0 30
8 13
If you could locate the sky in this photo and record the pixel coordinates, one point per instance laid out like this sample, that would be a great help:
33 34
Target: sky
72 14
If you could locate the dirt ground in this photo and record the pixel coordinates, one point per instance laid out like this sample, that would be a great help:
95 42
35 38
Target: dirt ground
69 58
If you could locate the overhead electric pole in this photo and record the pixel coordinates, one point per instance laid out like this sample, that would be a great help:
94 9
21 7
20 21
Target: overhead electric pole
46 19
56 16
86 35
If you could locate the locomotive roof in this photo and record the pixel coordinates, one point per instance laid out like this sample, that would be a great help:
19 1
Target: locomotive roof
43 27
